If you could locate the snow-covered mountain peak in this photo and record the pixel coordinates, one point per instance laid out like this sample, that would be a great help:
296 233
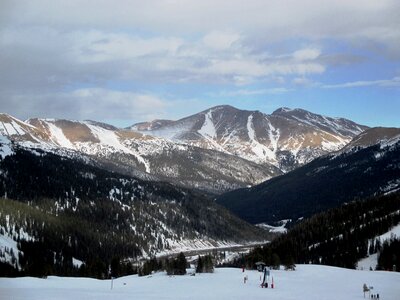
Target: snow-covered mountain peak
285 138
221 107
281 110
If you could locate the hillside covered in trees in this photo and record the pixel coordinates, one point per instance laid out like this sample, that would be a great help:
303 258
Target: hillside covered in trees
324 183
60 210
339 237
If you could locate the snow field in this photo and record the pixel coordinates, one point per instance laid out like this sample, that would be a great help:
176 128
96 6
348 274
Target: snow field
311 282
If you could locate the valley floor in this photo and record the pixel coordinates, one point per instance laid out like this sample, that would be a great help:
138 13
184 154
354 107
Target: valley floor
307 282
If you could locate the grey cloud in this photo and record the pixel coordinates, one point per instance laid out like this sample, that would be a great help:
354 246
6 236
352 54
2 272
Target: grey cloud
90 103
273 20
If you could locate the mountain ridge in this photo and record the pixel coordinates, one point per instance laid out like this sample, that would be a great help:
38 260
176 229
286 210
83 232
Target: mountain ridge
286 138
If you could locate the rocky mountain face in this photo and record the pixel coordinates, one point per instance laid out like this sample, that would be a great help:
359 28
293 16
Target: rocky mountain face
286 139
138 154
370 167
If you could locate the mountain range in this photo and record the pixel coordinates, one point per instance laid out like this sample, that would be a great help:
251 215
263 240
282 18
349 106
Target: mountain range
286 139
133 153
217 150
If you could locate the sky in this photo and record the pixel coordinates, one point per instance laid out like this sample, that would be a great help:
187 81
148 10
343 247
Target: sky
123 62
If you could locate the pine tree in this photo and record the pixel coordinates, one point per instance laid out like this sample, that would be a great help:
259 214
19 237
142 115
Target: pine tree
205 264
180 265
115 266
199 267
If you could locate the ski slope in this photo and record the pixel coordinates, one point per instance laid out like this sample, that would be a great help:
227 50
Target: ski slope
311 282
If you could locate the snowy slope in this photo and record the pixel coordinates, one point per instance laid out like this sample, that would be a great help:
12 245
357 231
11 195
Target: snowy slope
135 153
286 138
309 282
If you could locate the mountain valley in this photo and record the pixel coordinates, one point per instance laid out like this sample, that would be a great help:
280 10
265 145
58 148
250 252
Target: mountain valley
74 188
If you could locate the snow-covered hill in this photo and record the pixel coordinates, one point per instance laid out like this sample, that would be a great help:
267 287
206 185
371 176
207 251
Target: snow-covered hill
137 154
286 138
311 282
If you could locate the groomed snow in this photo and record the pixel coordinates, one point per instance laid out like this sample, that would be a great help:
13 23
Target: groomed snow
309 282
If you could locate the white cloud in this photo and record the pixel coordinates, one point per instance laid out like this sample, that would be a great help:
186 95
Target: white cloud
394 82
306 54
303 81
251 92
97 46
220 40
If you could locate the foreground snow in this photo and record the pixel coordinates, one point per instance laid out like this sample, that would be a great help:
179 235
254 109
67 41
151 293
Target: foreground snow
307 282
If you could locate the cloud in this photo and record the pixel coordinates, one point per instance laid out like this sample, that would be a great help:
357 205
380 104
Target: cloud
220 40
273 20
97 46
303 81
47 59
394 82
251 92
88 103
306 54
52 51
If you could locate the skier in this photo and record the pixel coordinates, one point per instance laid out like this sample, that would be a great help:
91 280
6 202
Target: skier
264 282
365 289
